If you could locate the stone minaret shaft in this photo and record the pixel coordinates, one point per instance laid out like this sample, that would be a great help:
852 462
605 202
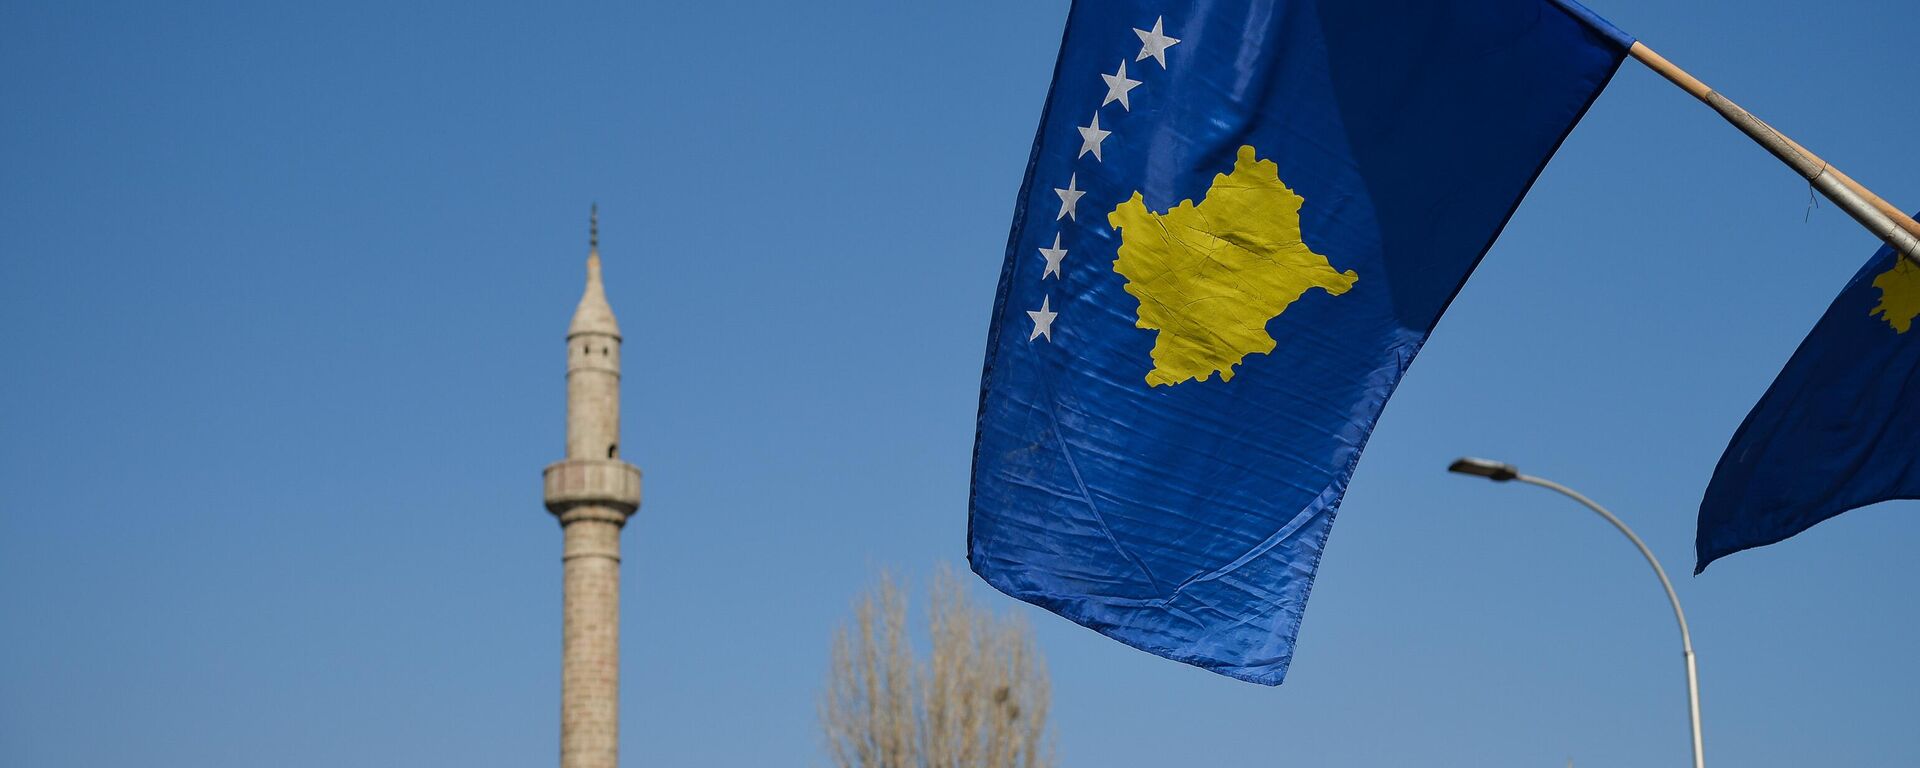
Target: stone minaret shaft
592 492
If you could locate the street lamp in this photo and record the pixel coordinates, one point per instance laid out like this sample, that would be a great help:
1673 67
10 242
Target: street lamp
1501 472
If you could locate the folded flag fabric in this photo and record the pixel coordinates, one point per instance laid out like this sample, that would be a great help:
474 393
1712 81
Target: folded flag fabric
1239 223
1839 428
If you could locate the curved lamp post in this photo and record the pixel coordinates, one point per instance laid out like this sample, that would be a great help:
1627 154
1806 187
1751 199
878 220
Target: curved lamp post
1500 473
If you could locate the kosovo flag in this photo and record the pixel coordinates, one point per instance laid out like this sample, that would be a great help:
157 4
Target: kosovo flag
1239 223
1838 429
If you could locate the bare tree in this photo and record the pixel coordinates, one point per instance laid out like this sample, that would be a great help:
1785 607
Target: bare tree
978 701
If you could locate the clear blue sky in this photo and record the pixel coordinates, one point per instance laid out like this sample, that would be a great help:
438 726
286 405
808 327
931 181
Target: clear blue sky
282 296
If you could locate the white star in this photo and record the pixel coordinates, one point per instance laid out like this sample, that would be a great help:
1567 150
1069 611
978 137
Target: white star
1091 136
1118 84
1053 256
1069 198
1154 43
1042 320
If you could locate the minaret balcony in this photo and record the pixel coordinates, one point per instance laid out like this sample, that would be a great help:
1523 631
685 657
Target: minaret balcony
592 482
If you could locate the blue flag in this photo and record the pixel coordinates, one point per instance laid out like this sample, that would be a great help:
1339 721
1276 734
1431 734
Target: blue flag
1838 429
1239 223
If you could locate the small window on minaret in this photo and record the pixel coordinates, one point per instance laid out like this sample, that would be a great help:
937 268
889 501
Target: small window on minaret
613 450
603 351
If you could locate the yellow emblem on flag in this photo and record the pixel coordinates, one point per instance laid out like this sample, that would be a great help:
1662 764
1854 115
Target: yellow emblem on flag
1210 276
1899 295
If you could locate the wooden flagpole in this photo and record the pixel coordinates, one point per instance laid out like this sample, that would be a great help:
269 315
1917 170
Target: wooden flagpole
1890 224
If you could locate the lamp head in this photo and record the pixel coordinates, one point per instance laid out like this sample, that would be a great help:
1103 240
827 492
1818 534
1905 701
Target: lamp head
1491 470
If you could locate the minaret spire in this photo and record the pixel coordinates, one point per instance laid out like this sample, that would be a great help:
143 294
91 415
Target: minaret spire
594 315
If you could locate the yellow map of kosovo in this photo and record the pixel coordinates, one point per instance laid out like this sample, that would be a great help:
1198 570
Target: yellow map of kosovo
1209 276
1899 295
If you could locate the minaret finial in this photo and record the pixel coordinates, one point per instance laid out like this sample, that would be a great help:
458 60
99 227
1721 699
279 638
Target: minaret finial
593 314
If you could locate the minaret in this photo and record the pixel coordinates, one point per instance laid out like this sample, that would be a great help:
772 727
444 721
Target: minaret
592 492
